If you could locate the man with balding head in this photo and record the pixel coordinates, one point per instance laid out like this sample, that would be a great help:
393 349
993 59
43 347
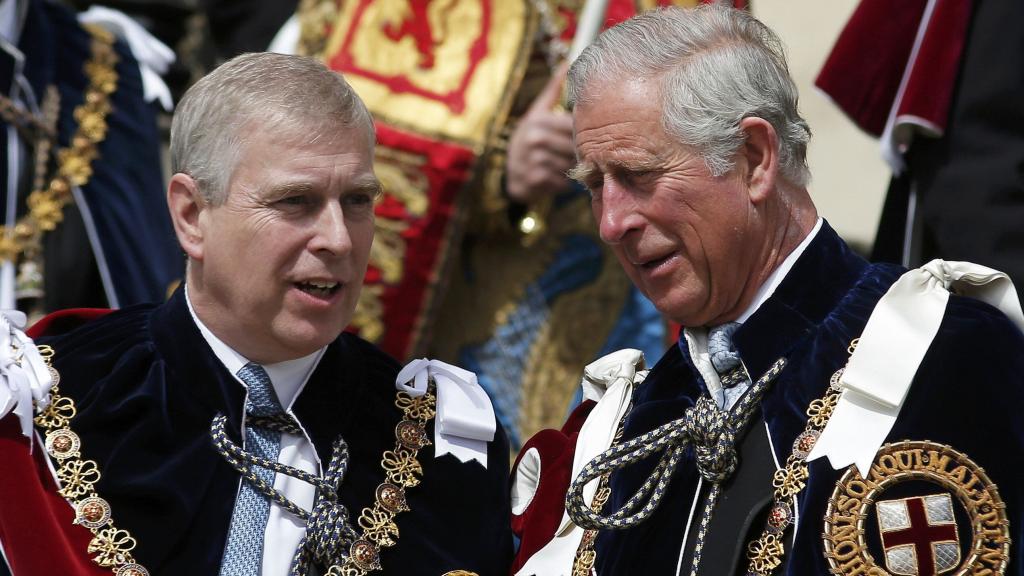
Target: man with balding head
688 136
235 429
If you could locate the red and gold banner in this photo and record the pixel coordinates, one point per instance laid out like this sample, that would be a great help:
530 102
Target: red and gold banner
438 77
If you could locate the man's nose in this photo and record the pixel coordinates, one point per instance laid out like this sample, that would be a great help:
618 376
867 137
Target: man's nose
332 234
616 212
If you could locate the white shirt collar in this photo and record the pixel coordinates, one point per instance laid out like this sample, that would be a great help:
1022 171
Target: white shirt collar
288 377
768 287
10 20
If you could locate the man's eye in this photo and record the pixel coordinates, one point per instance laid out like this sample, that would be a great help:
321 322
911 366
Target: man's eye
358 205
594 185
637 175
358 200
294 201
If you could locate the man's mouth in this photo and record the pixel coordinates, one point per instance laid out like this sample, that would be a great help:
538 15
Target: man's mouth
655 262
318 288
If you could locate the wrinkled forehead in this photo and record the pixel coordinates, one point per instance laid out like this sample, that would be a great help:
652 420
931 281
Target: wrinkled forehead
307 129
269 158
618 100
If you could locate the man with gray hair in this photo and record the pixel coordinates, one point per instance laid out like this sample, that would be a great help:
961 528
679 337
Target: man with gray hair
235 429
688 136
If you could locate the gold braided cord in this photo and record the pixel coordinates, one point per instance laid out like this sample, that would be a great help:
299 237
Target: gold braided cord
110 546
74 163
31 127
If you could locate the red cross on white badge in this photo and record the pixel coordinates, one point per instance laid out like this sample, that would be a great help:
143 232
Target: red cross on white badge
919 535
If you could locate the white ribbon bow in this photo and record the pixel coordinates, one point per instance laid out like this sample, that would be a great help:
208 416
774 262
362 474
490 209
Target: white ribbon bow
897 336
24 377
465 418
154 57
609 381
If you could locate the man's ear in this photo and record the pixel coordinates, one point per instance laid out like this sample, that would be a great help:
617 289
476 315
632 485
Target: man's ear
185 202
760 152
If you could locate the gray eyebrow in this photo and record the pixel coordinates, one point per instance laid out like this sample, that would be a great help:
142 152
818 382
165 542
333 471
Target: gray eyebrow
282 190
581 172
371 186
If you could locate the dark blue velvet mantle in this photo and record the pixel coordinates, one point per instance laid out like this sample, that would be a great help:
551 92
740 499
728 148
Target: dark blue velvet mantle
968 394
147 385
125 195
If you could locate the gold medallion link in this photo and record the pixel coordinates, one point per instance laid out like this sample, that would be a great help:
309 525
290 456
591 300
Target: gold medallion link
111 546
765 554
402 469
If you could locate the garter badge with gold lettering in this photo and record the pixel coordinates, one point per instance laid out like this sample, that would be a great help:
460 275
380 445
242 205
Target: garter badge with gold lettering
925 509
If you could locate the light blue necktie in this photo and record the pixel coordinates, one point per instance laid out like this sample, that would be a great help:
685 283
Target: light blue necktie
243 555
726 361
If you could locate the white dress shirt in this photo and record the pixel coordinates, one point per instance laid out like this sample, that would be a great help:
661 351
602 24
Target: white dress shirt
284 530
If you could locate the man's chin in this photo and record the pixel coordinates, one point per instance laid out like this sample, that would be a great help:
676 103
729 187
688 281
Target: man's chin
682 312
305 338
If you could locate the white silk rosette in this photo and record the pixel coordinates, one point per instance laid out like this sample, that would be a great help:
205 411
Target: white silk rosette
25 379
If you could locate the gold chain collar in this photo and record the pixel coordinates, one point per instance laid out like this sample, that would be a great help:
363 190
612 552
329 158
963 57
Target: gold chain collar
113 547
74 164
766 552
401 470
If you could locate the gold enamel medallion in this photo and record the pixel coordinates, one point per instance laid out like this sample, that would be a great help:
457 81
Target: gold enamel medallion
924 509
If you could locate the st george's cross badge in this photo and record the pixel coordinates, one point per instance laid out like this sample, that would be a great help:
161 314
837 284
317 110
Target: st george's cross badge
919 534
924 509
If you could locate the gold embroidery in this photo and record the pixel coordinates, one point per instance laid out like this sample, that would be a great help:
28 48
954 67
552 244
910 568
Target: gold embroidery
74 164
439 68
577 324
576 329
404 182
316 17
845 541
645 5
369 314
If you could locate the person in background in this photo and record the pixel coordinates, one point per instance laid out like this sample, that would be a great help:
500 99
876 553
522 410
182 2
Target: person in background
82 217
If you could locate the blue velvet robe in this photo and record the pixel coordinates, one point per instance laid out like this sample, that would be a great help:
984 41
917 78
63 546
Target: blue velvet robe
134 254
968 394
147 385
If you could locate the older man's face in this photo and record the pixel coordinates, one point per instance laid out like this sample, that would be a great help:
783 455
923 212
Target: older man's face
682 235
283 258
